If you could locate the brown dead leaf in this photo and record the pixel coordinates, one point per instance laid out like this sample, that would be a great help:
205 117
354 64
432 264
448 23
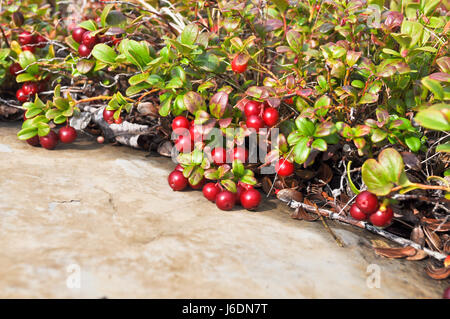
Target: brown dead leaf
446 247
437 273
400 252
267 185
432 239
378 243
434 224
411 161
418 236
165 149
288 194
305 174
325 174
300 213
419 256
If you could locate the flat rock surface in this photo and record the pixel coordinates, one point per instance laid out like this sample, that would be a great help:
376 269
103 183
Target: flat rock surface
105 215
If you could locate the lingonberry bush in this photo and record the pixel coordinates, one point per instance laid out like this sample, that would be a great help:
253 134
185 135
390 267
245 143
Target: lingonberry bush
279 95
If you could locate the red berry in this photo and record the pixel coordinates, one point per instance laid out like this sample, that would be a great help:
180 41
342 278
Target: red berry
184 144
28 48
49 141
195 133
239 190
41 41
199 185
15 68
179 168
382 217
89 40
118 120
180 122
241 154
77 34
236 67
250 199
83 50
356 213
67 134
26 38
177 181
219 156
289 101
255 122
210 191
284 167
100 139
108 115
270 116
367 202
252 108
34 141
21 96
225 200
30 88
446 294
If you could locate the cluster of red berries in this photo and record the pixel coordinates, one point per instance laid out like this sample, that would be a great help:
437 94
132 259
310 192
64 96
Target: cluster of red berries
86 39
366 206
66 134
28 89
108 116
29 41
258 115
245 194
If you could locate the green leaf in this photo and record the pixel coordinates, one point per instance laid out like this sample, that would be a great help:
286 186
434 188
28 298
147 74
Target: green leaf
434 86
88 25
189 34
84 66
350 182
374 176
305 126
218 104
104 14
32 112
134 89
24 77
378 135
138 78
209 62
443 148
26 60
294 40
435 117
104 53
238 168
229 184
115 17
319 144
27 133
413 143
301 151
165 106
194 102
392 163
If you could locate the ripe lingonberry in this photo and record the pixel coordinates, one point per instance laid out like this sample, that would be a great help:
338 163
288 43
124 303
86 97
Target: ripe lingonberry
34 141
210 191
184 144
118 120
177 181
21 96
199 185
77 34
225 200
30 88
367 202
241 154
84 50
67 134
250 199
41 41
195 133
237 67
15 68
89 40
270 116
356 213
49 141
255 122
180 122
219 156
108 115
29 48
239 190
252 108
382 217
26 38
179 168
284 168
